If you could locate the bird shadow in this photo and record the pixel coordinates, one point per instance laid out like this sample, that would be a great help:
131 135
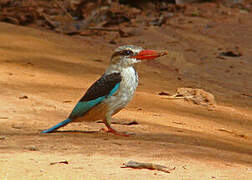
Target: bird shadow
74 131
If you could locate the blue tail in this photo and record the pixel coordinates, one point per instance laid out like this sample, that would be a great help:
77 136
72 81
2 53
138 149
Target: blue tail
54 128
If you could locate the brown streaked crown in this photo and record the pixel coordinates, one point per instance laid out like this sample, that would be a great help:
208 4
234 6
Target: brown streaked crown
125 51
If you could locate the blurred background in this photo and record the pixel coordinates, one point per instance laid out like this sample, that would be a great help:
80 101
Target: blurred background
192 109
209 41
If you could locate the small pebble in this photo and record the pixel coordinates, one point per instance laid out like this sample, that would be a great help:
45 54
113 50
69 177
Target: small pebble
23 97
2 137
31 148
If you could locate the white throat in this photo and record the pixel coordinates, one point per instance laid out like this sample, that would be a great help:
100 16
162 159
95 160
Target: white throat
126 89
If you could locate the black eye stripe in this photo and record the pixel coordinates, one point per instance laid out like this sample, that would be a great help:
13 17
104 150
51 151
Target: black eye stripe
123 53
127 52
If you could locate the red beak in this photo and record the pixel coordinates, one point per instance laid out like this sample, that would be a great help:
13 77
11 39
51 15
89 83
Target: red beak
149 54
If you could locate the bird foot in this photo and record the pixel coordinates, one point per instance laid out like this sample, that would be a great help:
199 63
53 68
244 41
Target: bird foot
110 130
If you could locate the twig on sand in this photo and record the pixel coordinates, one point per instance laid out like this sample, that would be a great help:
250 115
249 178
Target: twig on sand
151 166
59 162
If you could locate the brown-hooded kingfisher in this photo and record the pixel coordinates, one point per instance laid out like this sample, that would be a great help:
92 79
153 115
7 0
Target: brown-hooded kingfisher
112 92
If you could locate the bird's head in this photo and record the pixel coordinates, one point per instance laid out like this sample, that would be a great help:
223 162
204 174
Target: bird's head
128 55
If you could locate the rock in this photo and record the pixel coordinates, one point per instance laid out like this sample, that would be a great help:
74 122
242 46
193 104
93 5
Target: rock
23 97
162 93
231 53
161 19
197 96
232 3
113 41
184 1
125 33
2 137
31 148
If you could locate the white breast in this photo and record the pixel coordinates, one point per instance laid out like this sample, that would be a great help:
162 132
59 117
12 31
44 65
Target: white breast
125 92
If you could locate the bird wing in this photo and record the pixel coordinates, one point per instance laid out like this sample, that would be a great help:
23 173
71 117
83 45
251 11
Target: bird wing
104 87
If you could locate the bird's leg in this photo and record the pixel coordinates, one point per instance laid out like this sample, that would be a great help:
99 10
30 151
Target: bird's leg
110 129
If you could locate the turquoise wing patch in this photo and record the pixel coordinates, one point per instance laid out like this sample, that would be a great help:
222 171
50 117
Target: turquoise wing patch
114 89
83 106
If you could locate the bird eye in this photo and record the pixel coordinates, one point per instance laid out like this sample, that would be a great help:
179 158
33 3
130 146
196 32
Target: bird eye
128 52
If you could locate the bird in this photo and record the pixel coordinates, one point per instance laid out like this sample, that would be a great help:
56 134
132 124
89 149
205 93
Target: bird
113 90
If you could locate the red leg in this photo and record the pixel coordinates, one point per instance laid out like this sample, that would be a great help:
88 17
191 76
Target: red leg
113 131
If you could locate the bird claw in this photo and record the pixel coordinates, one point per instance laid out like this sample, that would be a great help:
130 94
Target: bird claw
110 130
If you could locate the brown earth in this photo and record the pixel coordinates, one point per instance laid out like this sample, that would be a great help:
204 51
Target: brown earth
44 74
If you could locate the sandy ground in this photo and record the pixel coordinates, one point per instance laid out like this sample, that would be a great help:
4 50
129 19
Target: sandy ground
43 75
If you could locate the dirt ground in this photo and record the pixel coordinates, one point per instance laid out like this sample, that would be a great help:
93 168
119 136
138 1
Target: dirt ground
43 75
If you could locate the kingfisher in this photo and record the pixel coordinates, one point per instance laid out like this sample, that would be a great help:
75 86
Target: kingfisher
113 90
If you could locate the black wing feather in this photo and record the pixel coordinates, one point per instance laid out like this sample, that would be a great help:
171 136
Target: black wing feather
102 86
